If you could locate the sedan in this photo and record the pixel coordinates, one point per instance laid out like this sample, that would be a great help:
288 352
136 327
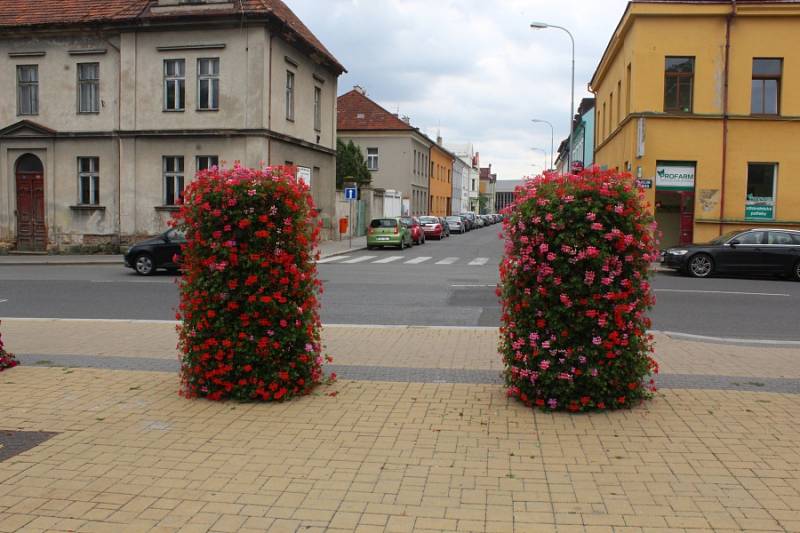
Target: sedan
163 251
754 251
445 227
388 232
456 224
432 227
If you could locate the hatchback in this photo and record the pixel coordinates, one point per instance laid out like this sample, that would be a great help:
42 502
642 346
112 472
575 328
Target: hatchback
432 227
163 251
388 232
456 224
417 233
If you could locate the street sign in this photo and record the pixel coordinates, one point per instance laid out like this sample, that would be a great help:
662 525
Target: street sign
351 193
644 184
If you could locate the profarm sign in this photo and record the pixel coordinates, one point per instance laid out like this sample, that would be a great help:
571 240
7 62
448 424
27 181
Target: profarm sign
675 177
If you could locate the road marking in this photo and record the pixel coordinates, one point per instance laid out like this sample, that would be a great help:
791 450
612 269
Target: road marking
358 259
725 292
331 259
4 300
388 259
132 281
447 261
468 285
418 260
480 261
726 340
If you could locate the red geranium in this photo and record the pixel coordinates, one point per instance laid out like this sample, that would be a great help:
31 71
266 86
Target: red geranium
7 360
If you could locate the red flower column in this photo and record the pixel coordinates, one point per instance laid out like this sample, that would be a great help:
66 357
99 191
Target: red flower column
7 360
249 292
575 290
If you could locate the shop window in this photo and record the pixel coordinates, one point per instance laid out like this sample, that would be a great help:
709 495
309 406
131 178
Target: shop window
760 201
678 84
766 86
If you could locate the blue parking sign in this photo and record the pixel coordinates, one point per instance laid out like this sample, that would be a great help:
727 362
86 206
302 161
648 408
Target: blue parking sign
350 193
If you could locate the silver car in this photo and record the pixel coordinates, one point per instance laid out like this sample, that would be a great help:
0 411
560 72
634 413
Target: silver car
456 224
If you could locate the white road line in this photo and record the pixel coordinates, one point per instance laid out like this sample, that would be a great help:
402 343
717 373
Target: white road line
468 285
4 300
331 259
726 340
447 261
388 259
724 292
479 261
358 259
418 260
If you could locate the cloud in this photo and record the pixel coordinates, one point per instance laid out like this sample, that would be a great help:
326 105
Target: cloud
472 69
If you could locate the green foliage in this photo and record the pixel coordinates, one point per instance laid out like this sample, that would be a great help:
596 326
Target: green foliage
350 165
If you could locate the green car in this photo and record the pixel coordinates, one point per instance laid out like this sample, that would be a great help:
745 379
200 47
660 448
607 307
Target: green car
388 232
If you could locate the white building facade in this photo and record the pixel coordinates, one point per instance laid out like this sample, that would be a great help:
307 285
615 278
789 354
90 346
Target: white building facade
113 115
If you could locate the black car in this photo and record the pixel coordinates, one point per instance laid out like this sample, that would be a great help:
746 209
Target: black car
146 257
754 251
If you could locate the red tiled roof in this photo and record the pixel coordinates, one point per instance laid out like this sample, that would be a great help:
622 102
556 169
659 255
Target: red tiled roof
76 12
357 112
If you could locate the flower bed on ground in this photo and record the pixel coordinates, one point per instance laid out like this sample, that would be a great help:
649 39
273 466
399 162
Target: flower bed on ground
7 360
575 291
249 292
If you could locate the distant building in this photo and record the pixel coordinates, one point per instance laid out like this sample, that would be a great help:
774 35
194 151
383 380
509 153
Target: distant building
109 109
487 189
460 198
398 154
470 175
583 139
504 193
441 177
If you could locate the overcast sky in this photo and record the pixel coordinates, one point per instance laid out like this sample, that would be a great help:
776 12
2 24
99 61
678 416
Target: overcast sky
473 68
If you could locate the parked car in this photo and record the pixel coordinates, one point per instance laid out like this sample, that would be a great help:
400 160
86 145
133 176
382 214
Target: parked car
456 224
754 251
473 219
479 222
417 233
163 251
388 232
445 227
467 222
432 227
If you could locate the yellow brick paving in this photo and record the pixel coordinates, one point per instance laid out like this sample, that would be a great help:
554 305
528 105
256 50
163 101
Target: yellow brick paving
445 348
134 456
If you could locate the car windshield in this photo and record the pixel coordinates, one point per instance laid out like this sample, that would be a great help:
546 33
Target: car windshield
176 235
407 221
722 239
454 219
383 223
429 220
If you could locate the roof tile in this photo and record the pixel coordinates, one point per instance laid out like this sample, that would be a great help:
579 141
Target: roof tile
357 112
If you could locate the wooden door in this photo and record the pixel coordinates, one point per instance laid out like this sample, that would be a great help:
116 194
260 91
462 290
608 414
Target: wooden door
687 217
31 228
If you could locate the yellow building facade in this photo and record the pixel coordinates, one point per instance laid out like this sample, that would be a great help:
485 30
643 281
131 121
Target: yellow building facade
441 185
697 100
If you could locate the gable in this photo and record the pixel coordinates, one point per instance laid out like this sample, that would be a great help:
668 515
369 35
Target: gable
26 128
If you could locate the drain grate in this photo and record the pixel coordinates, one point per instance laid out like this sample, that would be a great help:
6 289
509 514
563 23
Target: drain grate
16 442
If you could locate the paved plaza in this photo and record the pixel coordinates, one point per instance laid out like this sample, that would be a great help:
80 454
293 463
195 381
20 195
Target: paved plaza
416 435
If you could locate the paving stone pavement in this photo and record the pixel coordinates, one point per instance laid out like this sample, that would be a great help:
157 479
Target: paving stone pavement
390 448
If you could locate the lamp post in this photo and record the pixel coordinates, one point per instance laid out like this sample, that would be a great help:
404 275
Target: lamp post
552 135
544 167
542 26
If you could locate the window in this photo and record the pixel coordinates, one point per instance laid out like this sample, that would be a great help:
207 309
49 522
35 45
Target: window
289 95
611 112
27 89
88 87
751 237
619 101
208 83
372 158
173 180
88 181
678 82
766 86
174 84
760 200
317 108
205 162
781 239
628 91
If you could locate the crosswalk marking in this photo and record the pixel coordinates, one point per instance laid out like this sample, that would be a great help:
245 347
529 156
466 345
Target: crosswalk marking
418 260
332 259
388 259
479 261
447 261
360 259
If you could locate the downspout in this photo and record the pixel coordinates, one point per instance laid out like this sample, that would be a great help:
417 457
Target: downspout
269 103
728 23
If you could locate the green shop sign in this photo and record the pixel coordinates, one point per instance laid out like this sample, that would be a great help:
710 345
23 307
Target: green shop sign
759 212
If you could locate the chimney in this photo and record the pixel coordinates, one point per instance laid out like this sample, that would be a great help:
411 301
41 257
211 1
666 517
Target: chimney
360 90
439 140
406 119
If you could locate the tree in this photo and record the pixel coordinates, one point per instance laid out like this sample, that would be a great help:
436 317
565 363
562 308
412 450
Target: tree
350 165
483 201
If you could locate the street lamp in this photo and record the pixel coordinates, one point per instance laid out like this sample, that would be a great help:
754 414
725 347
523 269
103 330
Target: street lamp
552 134
545 156
542 26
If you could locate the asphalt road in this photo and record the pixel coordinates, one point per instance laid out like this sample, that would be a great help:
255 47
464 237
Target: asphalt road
447 283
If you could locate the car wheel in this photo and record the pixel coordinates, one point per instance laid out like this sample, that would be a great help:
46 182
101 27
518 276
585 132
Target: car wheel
701 266
796 271
143 264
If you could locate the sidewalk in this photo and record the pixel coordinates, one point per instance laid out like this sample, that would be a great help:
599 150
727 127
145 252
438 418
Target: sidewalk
419 437
327 249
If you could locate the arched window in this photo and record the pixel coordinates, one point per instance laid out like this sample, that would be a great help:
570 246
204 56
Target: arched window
29 163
